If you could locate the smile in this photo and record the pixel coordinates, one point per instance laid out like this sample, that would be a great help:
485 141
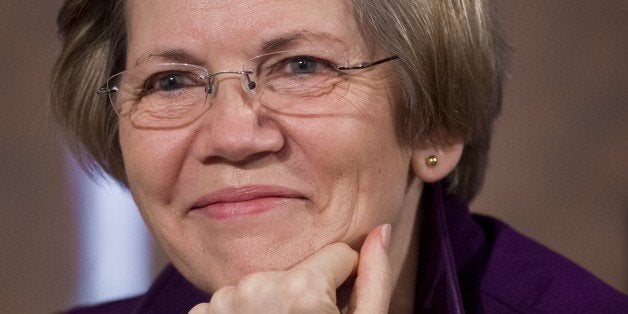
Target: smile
231 203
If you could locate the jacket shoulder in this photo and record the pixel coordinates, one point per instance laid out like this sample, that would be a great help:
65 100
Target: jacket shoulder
523 275
118 306
169 293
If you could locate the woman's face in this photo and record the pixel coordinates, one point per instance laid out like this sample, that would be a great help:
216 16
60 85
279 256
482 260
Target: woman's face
243 188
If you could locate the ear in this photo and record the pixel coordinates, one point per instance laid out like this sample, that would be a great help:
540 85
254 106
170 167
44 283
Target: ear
447 157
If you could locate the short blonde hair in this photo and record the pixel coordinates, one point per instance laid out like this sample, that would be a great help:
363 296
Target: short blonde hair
451 70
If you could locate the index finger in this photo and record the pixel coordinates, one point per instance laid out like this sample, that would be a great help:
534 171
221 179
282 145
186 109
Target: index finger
336 262
373 284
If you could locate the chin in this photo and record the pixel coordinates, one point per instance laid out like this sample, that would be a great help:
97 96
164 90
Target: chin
229 264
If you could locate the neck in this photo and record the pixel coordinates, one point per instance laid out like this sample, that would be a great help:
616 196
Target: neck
403 256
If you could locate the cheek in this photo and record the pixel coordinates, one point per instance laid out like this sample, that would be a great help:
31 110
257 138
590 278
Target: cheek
152 160
360 170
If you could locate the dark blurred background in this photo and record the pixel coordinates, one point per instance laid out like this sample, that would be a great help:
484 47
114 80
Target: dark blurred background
558 171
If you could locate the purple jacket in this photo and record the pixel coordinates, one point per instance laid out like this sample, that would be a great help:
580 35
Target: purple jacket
468 263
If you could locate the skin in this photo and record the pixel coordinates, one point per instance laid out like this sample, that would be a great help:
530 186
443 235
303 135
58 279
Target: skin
350 187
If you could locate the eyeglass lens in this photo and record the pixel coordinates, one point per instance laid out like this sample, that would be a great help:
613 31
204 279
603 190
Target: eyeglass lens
171 95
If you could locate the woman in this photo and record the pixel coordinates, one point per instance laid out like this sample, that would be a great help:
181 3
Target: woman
306 156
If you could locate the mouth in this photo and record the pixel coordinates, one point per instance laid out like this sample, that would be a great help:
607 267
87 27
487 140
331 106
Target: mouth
231 203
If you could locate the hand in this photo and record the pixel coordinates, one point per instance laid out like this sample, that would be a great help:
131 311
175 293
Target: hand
310 286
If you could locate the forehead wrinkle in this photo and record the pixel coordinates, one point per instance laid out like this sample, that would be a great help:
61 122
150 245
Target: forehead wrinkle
332 33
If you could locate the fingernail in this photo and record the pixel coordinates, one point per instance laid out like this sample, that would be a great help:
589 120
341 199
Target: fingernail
384 236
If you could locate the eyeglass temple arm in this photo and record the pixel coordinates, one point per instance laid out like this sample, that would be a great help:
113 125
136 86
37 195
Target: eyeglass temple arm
365 65
105 90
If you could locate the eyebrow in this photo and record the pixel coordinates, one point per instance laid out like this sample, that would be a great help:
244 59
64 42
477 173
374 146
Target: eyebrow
290 40
168 55
283 42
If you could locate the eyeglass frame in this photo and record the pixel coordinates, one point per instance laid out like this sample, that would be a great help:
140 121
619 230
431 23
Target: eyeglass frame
105 90
248 84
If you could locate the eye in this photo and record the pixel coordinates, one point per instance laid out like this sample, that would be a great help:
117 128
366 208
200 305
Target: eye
303 65
286 68
170 81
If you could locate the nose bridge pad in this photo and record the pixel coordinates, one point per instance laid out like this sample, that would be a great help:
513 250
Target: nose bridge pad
246 83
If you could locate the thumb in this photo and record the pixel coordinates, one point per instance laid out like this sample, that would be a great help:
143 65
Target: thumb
373 284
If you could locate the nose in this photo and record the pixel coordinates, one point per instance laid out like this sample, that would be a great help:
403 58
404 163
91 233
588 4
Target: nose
247 83
233 129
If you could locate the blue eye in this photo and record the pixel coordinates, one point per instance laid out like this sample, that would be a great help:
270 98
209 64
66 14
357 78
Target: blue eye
171 82
303 65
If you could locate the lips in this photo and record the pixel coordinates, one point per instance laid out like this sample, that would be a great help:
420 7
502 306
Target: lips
245 201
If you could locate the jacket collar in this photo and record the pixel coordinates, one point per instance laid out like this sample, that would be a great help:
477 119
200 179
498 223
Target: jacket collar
448 243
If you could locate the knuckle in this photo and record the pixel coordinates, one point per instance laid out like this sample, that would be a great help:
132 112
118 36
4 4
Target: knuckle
309 292
299 281
222 293
200 309
253 285
309 302
222 299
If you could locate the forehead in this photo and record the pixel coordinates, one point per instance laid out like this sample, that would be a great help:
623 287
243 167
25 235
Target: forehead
206 27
